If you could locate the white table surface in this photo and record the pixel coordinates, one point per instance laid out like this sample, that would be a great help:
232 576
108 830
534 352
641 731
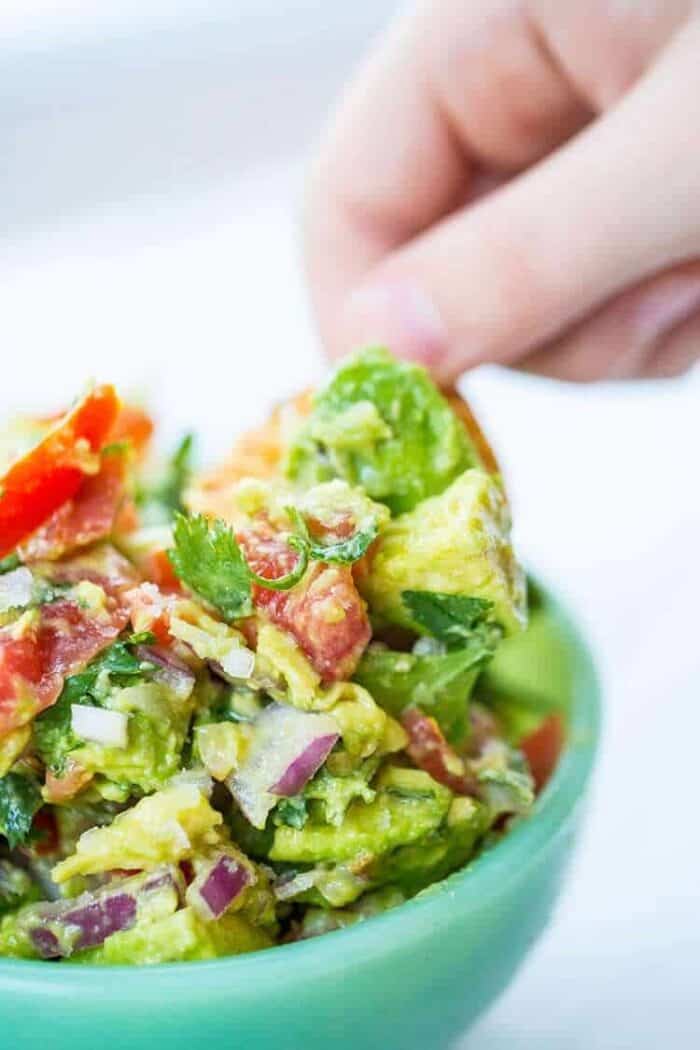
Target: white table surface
192 294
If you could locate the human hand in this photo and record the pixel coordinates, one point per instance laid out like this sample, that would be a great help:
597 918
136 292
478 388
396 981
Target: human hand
518 182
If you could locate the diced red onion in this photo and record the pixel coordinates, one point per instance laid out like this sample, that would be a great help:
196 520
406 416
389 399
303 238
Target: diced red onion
171 670
45 942
68 926
288 747
303 768
217 887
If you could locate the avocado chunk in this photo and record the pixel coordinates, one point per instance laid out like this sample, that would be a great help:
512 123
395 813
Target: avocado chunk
454 543
181 937
383 425
408 805
413 867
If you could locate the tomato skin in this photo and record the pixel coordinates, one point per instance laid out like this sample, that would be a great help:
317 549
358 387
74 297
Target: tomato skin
86 518
133 424
323 612
66 787
49 474
431 752
543 747
33 666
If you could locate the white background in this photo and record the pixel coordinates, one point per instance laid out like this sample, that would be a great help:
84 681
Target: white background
152 164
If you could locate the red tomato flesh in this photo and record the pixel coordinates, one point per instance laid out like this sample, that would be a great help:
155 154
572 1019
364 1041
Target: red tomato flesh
87 517
34 665
323 612
49 474
431 752
543 747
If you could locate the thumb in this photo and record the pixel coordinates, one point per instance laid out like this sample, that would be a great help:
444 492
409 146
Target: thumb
499 278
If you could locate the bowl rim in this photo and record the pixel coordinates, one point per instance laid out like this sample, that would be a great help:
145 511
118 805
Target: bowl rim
467 889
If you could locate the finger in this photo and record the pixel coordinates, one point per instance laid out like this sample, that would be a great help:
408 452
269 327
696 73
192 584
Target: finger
619 341
456 88
496 280
677 353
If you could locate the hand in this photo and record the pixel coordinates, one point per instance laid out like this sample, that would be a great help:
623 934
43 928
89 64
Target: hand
520 183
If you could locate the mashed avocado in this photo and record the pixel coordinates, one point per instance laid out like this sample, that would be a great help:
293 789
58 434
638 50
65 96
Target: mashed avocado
226 733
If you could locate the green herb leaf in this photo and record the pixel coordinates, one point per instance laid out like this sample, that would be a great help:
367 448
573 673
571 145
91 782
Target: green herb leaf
451 618
161 499
293 812
439 683
20 798
53 736
285 583
208 559
344 552
8 564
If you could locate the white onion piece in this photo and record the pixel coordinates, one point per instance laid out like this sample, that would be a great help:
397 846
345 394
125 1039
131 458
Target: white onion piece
171 672
283 737
100 726
16 589
238 663
197 777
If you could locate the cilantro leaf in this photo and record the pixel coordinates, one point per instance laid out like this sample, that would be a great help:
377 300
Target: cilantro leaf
451 618
344 552
293 812
8 564
20 798
207 557
438 683
285 583
161 499
53 736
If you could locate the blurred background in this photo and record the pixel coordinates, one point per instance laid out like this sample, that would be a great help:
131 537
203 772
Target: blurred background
152 160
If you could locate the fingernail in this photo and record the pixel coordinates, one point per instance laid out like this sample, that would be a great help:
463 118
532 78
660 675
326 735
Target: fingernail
399 315
667 306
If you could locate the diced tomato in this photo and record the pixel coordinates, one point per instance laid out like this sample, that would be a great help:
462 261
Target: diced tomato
41 481
102 565
134 425
34 661
324 612
68 785
158 568
150 610
87 517
430 751
47 841
543 747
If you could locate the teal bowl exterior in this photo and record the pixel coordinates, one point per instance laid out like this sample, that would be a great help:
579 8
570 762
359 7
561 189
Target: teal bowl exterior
411 979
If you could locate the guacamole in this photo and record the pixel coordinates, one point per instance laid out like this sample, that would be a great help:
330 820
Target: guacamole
249 706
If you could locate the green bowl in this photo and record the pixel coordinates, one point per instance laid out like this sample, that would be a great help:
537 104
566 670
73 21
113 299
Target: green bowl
411 979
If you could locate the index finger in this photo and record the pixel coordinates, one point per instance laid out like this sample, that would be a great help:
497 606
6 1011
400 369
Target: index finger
454 90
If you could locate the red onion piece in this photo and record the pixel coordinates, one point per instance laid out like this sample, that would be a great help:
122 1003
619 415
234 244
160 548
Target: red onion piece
64 927
100 919
172 671
45 943
288 747
304 766
217 887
